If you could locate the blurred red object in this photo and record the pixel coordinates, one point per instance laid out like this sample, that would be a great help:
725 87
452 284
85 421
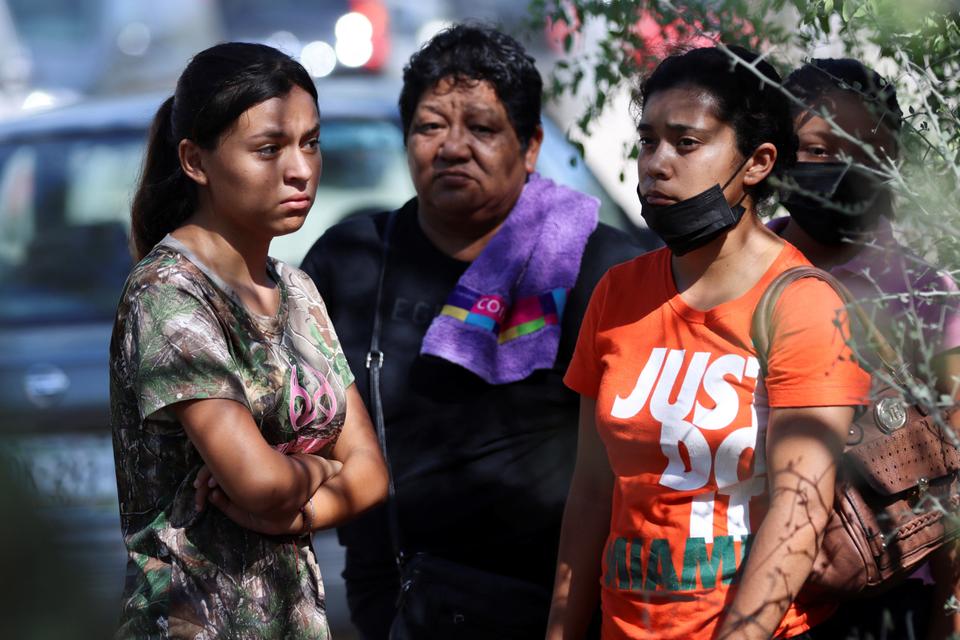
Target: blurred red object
379 17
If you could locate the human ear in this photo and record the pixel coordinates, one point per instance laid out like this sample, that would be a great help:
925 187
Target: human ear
533 150
760 164
191 161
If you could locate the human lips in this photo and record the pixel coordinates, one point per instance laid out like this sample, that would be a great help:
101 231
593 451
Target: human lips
659 198
455 176
298 202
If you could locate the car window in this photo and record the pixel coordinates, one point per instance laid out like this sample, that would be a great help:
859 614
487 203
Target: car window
65 209
64 216
16 204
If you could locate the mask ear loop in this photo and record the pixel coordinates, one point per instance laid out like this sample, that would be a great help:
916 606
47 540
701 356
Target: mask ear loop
727 183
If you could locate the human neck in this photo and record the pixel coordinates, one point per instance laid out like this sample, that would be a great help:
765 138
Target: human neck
820 255
236 257
462 243
728 266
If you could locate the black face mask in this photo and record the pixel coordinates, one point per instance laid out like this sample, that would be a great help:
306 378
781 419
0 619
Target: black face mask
835 202
692 223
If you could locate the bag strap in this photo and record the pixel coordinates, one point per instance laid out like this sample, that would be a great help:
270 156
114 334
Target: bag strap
374 365
760 330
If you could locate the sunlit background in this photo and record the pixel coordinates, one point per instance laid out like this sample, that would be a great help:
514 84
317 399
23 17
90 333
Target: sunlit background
79 83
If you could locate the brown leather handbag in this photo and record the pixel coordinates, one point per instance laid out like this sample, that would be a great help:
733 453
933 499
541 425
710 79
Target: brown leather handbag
897 495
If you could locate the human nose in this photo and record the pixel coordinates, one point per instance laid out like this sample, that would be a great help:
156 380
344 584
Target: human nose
454 147
655 162
302 166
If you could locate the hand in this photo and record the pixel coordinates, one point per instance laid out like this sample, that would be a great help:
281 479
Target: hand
278 526
328 467
204 483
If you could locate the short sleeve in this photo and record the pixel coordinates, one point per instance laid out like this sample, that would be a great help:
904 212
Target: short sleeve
176 350
584 373
811 363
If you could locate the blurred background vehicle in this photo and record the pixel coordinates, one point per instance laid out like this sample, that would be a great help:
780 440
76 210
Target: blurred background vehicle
337 35
66 180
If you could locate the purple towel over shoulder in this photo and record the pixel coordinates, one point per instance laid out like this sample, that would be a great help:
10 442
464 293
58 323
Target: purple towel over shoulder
502 320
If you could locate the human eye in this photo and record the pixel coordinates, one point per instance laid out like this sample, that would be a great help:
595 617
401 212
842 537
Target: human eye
687 143
482 128
815 153
313 144
268 150
427 126
646 141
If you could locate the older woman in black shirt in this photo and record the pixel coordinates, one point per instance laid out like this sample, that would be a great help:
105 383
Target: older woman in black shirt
488 273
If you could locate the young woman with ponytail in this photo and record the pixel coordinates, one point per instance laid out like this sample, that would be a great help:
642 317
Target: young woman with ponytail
228 383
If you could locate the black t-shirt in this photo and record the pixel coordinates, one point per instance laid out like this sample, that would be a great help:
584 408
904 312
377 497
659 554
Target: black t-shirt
481 471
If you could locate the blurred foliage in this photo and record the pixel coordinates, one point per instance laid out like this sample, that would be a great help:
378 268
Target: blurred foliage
916 45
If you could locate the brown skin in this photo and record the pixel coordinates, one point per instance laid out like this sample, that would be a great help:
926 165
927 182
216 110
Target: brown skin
685 149
258 183
820 142
356 481
467 164
586 523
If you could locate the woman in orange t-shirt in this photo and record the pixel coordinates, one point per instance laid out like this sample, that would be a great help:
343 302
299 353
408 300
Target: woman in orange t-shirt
702 486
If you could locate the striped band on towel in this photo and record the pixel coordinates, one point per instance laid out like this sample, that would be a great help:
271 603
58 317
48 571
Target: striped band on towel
526 316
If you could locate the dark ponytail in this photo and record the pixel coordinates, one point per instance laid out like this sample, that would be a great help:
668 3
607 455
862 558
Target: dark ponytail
218 85
165 197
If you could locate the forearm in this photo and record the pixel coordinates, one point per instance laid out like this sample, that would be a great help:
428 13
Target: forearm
253 475
780 560
803 445
282 488
576 590
361 484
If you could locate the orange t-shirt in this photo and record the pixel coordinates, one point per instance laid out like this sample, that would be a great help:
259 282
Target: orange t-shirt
682 416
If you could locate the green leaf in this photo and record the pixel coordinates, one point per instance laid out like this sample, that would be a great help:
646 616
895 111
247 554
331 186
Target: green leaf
847 10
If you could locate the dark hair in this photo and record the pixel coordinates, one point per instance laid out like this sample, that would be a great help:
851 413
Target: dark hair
755 107
823 76
468 53
218 85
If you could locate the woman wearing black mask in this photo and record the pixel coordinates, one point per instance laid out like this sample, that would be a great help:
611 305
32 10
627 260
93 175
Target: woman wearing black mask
694 469
840 213
840 218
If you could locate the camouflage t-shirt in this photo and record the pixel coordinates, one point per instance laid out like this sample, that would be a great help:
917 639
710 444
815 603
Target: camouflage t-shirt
182 334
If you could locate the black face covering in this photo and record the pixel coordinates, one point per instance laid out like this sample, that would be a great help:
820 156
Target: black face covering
692 223
835 202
